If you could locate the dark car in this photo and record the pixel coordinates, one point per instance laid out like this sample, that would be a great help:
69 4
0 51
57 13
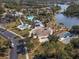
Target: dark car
21 47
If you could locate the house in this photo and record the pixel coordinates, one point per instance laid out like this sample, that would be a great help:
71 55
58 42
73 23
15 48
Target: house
42 33
17 14
65 37
38 23
11 14
23 26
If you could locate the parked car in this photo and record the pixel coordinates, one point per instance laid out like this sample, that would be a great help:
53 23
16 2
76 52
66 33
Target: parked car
21 47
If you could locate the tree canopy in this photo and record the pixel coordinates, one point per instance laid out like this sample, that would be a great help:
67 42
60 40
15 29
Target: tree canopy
75 29
72 10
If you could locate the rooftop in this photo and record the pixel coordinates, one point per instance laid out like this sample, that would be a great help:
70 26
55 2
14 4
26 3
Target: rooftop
41 31
65 34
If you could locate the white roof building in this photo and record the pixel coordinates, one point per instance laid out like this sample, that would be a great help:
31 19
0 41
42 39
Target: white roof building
41 33
23 26
38 23
65 37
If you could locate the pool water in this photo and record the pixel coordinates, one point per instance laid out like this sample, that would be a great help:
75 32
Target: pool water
30 17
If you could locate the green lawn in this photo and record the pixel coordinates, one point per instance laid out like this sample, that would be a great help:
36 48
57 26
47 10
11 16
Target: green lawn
13 27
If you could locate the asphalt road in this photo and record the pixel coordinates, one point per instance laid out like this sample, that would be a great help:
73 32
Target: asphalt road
11 37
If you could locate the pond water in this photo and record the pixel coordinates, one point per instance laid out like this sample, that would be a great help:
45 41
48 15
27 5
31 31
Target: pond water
67 21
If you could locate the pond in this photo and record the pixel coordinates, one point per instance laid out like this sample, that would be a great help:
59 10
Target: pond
67 21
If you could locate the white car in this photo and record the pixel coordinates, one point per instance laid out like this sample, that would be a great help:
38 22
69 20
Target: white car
12 45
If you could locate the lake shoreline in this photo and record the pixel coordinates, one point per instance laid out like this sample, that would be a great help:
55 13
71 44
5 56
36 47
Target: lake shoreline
67 21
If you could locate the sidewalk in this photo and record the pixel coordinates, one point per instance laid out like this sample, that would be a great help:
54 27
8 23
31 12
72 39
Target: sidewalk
16 34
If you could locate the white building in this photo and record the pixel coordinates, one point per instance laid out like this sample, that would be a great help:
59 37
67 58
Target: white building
23 26
41 33
65 37
38 23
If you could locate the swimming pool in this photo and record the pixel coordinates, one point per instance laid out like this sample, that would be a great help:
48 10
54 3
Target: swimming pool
30 17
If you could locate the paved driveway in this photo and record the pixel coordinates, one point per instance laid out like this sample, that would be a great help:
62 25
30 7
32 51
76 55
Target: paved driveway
11 37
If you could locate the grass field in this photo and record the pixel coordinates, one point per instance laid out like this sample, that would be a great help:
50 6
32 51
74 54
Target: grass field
13 27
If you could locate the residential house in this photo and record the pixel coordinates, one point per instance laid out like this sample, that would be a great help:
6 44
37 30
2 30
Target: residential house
38 23
65 37
42 33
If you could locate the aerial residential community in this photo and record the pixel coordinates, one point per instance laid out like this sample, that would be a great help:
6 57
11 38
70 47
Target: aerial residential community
39 29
